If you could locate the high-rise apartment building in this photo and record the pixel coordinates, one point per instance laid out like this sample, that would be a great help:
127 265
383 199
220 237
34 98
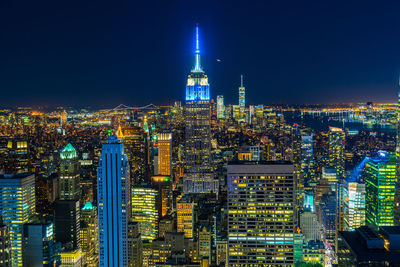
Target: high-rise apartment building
260 214
198 176
113 204
380 186
17 207
336 150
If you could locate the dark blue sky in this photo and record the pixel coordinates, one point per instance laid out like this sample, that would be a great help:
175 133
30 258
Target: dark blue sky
135 52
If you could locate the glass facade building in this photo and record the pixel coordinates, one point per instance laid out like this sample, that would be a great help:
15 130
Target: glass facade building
380 187
113 204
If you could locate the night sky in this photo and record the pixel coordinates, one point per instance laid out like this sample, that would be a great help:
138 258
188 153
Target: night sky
103 53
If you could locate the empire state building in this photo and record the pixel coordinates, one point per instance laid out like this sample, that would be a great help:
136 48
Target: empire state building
198 176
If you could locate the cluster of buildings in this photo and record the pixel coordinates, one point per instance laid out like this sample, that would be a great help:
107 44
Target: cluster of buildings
199 184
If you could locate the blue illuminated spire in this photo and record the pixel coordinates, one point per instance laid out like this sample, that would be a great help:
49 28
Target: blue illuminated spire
197 67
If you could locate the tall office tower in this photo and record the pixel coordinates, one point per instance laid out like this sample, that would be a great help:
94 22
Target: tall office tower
90 234
134 139
242 99
5 245
307 161
354 205
114 207
69 174
144 211
330 176
17 207
164 153
397 195
260 214
198 176
220 107
164 195
380 185
185 216
67 224
39 246
336 150
204 242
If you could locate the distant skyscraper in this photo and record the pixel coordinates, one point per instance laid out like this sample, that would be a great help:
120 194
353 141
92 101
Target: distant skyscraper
114 204
380 185
242 99
198 176
354 205
220 107
336 150
260 214
144 211
307 160
17 207
164 153
69 174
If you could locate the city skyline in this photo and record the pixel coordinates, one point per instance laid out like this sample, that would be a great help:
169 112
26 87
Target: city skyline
288 54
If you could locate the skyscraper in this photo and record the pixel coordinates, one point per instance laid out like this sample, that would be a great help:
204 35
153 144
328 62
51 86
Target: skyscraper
69 174
307 160
220 107
354 205
185 216
90 234
380 185
164 153
198 176
144 211
336 150
5 245
39 246
113 204
17 207
260 214
242 99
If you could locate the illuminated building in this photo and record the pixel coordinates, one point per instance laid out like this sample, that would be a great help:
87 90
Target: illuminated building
242 99
380 185
236 112
328 207
17 207
204 243
144 211
221 252
134 139
220 107
89 234
165 225
354 205
17 160
307 160
309 226
113 204
260 214
198 176
163 201
135 245
336 150
185 216
259 111
330 176
314 253
71 258
39 246
69 174
5 245
164 153
249 153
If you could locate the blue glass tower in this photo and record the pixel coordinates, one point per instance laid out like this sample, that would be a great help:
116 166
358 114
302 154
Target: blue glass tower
198 177
114 204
